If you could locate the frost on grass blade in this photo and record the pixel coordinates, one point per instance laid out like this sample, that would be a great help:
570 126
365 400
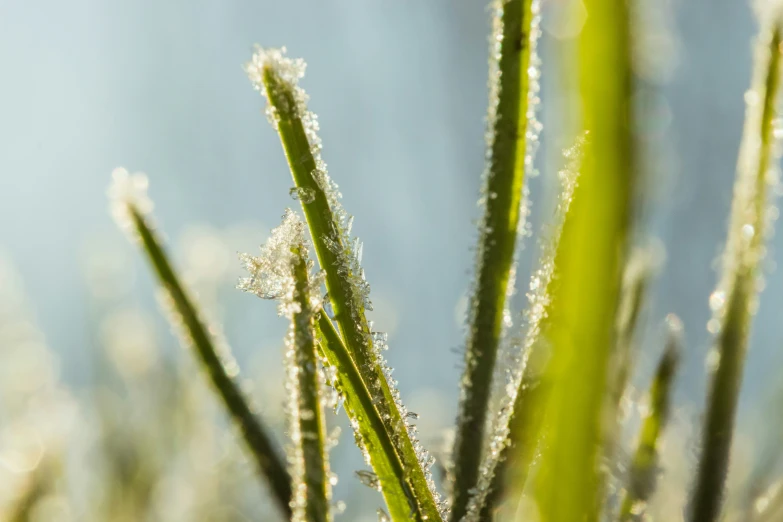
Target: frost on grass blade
284 272
511 139
514 436
735 299
131 207
276 76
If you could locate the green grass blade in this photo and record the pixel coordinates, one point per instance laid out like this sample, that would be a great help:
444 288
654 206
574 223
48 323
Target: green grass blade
735 299
515 440
277 76
643 470
589 263
514 36
378 448
312 500
133 211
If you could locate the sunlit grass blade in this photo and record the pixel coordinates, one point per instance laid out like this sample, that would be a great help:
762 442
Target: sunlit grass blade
131 207
310 462
589 261
736 297
276 76
513 86
644 467
376 445
515 438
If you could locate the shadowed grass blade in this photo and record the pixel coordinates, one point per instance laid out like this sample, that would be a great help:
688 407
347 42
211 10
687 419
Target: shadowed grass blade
195 330
311 466
735 299
513 83
375 442
276 76
589 262
643 471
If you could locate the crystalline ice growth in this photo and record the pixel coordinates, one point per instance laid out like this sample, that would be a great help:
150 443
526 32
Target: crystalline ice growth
270 273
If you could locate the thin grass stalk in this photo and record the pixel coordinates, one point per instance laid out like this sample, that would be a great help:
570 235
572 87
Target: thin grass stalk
516 436
277 77
312 501
375 442
259 443
507 141
643 472
736 298
589 261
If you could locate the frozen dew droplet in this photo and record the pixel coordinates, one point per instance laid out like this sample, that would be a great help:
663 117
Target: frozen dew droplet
369 479
383 516
328 306
303 194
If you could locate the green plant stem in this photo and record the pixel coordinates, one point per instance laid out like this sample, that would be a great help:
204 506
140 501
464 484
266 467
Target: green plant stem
739 283
591 253
347 304
366 421
310 415
260 444
642 474
502 193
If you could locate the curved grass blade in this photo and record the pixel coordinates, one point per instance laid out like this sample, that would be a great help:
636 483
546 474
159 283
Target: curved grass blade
735 299
276 76
515 439
643 471
589 261
310 471
513 85
131 207
371 434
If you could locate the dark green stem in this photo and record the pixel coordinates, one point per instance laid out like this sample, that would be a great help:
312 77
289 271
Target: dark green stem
260 444
502 193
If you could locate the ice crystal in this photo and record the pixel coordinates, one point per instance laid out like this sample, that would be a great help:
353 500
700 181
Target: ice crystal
270 273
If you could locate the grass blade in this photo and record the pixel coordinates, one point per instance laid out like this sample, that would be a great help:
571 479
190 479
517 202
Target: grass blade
513 85
515 440
311 465
131 207
378 448
276 76
643 471
734 300
589 265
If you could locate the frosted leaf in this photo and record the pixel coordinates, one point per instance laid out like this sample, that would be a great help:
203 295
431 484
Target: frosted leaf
126 191
369 479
